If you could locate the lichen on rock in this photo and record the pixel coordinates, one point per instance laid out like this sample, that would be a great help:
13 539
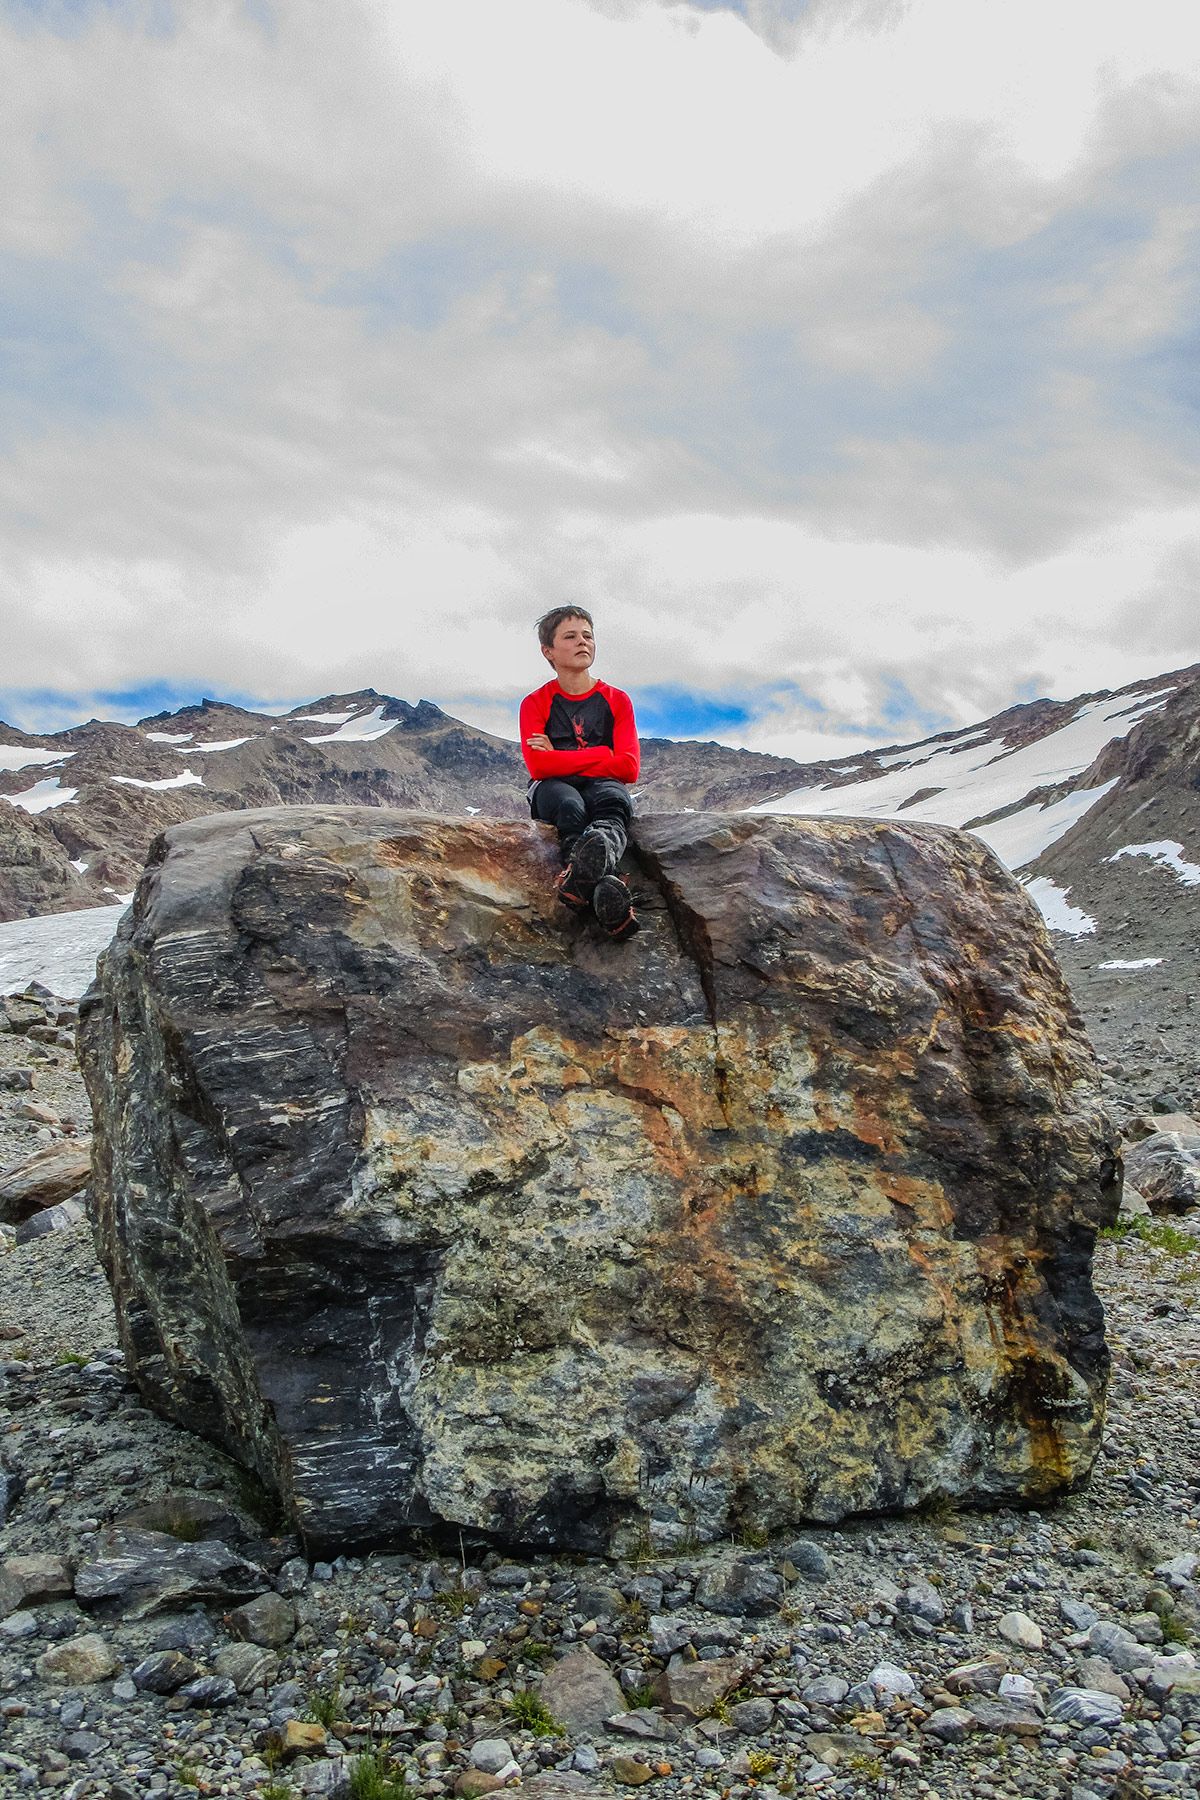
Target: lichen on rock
434 1208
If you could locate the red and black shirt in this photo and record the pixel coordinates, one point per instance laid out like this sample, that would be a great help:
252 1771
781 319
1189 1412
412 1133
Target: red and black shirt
592 733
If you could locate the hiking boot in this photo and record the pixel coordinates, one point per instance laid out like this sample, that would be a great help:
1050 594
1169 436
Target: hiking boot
590 858
566 890
613 907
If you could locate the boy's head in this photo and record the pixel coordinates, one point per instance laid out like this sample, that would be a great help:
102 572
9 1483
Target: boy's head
567 638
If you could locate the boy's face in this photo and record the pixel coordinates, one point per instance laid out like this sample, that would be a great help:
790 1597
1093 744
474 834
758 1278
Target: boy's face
573 649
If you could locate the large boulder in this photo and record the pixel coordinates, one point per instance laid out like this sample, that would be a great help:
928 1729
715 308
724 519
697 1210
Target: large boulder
431 1206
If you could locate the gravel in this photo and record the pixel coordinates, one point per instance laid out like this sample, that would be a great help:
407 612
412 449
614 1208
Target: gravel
1010 1655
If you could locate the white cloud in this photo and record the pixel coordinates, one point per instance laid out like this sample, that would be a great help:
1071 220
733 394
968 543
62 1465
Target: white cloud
819 352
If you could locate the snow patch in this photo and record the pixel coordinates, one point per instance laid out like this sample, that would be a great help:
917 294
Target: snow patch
1168 854
1051 902
187 779
81 866
1024 835
59 950
1143 962
974 780
42 795
320 718
226 744
29 756
170 737
909 758
357 731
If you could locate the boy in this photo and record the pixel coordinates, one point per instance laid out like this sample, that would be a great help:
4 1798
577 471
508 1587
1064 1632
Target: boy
580 746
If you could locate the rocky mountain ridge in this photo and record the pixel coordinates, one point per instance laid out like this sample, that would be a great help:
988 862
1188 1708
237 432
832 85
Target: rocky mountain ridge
84 805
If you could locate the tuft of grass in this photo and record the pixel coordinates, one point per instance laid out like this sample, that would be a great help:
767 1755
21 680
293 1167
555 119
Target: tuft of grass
641 1696
760 1763
71 1359
1155 1232
277 1790
869 1768
455 1600
378 1776
324 1704
534 1716
187 1774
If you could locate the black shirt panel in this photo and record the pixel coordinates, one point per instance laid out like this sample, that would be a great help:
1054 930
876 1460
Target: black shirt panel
580 724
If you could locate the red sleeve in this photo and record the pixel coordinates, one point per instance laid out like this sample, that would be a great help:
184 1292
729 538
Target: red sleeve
626 751
621 763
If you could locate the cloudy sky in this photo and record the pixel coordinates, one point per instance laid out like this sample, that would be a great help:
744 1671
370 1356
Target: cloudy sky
840 354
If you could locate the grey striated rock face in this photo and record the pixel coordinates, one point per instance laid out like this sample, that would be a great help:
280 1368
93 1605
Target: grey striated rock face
431 1207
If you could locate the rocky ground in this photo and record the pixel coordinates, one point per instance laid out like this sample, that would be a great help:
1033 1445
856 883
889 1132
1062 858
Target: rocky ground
159 1636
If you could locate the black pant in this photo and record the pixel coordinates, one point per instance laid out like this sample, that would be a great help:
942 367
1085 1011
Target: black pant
573 803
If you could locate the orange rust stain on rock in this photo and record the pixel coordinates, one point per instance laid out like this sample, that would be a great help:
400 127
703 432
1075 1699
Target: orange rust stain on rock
1028 1363
925 1199
669 1149
443 852
943 1286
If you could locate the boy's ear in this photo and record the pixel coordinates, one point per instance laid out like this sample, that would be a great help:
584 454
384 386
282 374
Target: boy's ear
548 653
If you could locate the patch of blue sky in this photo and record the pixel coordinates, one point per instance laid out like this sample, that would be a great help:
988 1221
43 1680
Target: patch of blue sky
42 710
665 711
677 712
71 18
418 285
787 10
900 710
69 352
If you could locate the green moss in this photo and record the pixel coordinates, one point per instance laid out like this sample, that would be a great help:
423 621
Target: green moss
1154 1232
533 1715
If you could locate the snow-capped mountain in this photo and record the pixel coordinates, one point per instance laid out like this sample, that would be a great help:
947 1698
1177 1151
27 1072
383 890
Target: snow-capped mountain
1079 797
1094 801
84 805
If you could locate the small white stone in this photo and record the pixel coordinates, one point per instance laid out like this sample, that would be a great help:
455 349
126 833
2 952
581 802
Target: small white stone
491 1755
889 1682
1019 1629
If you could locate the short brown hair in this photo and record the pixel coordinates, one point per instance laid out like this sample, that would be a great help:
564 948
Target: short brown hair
549 622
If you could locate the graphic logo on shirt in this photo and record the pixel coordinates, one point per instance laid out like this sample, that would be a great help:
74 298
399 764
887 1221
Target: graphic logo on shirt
581 742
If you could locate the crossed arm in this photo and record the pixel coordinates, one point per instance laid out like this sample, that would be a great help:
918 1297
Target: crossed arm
543 761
